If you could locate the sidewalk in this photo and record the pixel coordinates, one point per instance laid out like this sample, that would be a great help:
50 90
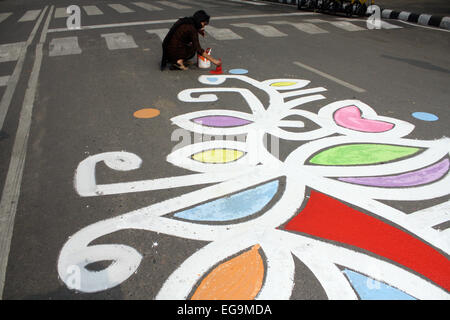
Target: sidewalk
434 13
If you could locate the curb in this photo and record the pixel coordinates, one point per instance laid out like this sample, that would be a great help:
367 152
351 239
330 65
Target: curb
419 18
422 19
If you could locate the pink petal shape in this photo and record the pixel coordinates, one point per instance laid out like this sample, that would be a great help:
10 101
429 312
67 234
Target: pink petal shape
350 118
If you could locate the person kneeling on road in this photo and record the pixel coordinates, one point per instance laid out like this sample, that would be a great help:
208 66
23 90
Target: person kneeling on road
181 42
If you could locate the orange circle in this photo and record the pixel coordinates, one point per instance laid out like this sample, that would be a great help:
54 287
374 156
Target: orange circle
146 113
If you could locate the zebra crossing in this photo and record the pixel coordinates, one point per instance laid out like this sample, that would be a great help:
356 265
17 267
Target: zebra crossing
120 40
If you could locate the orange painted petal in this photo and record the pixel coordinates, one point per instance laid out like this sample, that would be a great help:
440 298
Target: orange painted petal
239 278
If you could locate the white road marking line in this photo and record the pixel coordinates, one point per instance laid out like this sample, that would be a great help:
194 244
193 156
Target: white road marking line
146 6
11 51
4 16
250 2
161 33
14 79
199 3
61 13
347 26
141 23
4 81
120 8
305 27
222 33
64 46
121 40
174 5
13 181
384 24
330 77
30 15
92 10
264 30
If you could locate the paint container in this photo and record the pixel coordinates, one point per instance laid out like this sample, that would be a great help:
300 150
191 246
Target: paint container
202 61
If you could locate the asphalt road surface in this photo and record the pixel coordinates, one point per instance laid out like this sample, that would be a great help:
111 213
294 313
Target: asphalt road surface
107 196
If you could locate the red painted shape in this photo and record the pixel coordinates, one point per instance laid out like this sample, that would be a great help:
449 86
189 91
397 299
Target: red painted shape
218 69
330 219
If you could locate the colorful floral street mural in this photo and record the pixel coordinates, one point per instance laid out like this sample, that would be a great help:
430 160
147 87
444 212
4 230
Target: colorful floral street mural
322 202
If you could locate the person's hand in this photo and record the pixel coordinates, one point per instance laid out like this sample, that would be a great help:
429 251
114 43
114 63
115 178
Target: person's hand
217 62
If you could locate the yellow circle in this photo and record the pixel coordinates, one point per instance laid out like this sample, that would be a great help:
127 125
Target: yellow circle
146 113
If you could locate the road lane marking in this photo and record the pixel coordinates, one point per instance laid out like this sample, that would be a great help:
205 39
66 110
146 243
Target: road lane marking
14 79
141 23
121 40
174 5
13 181
264 30
30 15
11 51
305 27
4 81
4 16
64 46
146 6
161 33
347 26
92 10
330 77
120 8
61 13
250 2
222 33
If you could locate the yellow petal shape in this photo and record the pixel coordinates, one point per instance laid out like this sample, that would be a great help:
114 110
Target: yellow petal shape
282 84
218 155
239 278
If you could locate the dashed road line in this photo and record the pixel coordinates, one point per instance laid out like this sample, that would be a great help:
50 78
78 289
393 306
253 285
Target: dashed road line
161 33
4 16
64 46
121 40
147 6
302 26
30 15
92 10
264 30
120 8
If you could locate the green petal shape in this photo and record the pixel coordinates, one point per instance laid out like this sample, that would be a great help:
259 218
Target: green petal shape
361 154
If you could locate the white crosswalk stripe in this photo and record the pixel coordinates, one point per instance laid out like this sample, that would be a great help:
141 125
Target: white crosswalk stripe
344 25
147 6
4 81
30 15
264 30
120 8
92 10
161 33
302 26
61 13
174 5
222 33
4 16
121 40
347 26
250 2
10 51
64 46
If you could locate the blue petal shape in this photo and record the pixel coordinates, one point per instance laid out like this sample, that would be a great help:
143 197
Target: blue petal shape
233 207
370 289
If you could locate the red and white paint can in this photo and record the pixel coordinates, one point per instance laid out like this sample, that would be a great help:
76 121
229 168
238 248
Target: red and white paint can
202 61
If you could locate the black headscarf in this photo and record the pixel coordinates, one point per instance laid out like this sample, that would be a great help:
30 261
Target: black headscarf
198 17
